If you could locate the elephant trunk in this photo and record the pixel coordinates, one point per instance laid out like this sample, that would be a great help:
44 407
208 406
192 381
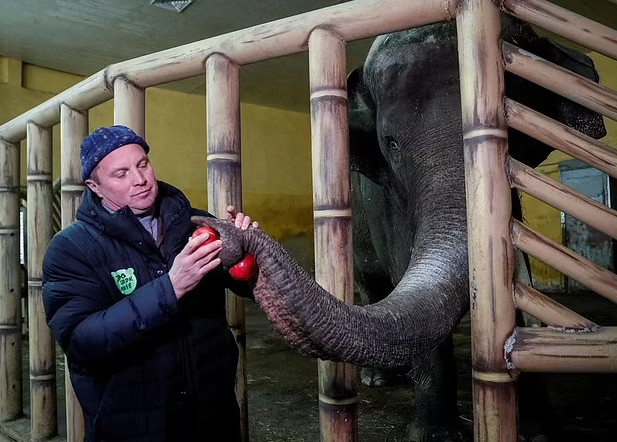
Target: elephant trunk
413 320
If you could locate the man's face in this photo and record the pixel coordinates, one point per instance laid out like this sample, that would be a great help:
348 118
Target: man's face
125 178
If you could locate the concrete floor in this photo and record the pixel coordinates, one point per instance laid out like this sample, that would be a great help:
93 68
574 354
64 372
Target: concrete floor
283 393
282 386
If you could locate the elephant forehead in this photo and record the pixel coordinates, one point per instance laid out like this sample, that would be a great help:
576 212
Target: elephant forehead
393 56
405 70
403 40
425 34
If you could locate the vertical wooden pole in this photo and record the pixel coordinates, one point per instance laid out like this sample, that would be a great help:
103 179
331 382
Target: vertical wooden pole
612 190
73 130
225 187
11 401
338 403
40 231
130 106
491 256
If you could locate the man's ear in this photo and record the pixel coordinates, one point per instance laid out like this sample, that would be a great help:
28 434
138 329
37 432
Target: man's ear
93 186
365 154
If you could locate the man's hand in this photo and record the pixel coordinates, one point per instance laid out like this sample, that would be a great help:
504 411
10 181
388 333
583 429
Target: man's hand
241 220
192 263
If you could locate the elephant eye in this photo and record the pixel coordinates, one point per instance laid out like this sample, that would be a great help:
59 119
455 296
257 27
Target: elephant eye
392 144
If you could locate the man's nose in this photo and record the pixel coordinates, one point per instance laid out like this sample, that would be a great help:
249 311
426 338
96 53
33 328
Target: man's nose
138 177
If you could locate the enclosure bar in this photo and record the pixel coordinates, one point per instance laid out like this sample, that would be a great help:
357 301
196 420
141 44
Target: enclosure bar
73 130
566 23
338 402
560 80
11 382
563 198
225 187
351 20
601 281
548 310
43 406
130 106
86 94
562 137
491 255
563 351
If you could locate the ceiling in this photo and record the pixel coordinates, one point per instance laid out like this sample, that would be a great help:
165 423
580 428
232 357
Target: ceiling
84 36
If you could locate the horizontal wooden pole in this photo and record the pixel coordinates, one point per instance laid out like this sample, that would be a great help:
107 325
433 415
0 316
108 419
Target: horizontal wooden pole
86 94
602 281
548 310
568 24
559 80
563 198
562 137
351 21
552 350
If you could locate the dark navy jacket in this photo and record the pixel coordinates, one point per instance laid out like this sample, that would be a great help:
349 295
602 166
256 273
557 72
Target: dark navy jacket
144 366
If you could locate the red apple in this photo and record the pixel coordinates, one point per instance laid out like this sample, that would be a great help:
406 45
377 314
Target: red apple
242 271
210 231
245 270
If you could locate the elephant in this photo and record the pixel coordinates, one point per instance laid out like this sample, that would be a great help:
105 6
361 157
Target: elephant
409 217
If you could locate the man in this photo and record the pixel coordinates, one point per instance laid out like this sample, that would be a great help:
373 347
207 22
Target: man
138 310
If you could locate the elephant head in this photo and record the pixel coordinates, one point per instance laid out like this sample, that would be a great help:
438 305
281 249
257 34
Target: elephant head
410 227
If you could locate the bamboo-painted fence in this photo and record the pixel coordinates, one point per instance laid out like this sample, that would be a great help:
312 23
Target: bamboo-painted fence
571 343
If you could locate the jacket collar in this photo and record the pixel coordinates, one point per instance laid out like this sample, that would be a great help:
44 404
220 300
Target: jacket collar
171 207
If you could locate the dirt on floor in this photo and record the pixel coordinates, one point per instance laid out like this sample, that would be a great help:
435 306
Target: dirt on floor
283 391
282 388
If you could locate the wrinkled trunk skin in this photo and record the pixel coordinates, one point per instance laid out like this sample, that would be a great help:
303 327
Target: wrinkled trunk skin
311 319
403 328
394 332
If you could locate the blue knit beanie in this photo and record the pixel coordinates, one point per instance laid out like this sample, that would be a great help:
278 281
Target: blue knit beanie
102 142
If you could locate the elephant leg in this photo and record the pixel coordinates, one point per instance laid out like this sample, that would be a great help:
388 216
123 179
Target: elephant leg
437 417
370 286
376 377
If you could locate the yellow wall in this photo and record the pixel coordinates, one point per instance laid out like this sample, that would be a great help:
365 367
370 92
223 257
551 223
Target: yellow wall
275 145
546 219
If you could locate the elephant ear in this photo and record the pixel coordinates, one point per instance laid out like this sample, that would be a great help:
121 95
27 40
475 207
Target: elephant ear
527 149
365 155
